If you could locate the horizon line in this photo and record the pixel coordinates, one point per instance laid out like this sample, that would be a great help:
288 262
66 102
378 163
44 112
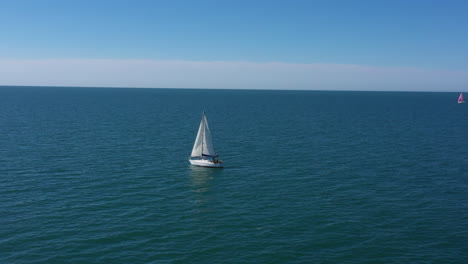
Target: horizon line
222 89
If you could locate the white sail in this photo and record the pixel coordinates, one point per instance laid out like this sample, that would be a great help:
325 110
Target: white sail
208 148
197 147
203 144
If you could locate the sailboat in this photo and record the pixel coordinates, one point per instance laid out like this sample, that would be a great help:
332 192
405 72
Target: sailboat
203 153
460 99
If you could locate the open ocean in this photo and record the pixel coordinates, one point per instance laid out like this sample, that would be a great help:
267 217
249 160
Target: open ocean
100 175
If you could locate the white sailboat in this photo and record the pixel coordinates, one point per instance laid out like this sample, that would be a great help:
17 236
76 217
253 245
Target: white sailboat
203 153
460 99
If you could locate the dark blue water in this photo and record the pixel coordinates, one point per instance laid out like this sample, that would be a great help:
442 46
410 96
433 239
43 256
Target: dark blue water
101 176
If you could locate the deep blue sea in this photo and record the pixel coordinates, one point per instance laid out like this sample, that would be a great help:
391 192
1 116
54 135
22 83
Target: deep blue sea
100 175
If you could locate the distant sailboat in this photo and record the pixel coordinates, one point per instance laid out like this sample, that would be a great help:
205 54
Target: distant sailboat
203 153
460 99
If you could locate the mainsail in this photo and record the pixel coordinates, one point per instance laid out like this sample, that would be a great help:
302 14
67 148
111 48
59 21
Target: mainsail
460 98
203 144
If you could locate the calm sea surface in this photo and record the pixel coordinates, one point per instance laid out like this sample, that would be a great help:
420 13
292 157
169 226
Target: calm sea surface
92 175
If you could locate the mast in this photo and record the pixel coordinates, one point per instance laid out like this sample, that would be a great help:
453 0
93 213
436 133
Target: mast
203 133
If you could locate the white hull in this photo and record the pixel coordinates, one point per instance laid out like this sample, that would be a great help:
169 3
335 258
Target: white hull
461 102
205 163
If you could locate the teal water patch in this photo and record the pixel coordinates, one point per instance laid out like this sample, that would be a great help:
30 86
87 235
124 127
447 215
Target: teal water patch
102 176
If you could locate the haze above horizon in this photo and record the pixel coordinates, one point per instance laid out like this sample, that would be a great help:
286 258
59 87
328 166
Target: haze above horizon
317 45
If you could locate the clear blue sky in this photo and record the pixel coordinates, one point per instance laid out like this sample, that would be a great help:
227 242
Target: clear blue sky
415 33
